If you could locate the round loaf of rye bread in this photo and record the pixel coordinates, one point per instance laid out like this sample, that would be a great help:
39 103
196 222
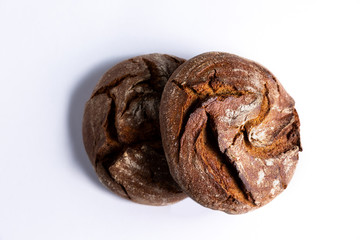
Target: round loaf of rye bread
230 132
121 130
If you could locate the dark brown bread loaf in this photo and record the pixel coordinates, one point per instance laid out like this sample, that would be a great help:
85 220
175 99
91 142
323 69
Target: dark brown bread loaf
121 130
230 132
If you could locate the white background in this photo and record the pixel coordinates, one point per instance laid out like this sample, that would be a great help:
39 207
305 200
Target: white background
53 52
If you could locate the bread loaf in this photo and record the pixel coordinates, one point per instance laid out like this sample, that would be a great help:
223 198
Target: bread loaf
121 130
230 132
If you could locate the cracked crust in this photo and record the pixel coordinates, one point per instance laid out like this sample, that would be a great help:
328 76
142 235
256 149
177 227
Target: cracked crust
230 132
121 130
